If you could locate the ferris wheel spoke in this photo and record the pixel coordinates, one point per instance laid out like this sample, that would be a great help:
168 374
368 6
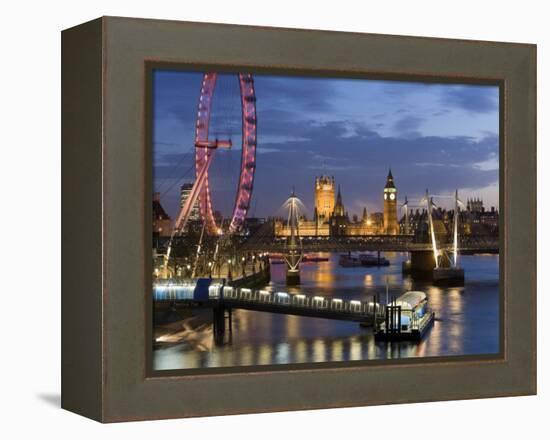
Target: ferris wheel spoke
248 149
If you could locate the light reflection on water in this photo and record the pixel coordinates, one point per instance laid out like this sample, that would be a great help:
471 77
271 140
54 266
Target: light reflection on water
467 320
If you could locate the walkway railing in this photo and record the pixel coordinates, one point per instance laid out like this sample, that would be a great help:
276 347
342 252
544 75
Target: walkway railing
168 290
276 302
300 300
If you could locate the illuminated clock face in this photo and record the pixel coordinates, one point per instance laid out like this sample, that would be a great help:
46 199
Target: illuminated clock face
385 196
392 196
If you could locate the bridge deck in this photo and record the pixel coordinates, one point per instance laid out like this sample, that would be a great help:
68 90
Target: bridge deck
302 305
281 302
383 243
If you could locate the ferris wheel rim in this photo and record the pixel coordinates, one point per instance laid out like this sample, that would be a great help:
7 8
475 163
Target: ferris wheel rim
248 150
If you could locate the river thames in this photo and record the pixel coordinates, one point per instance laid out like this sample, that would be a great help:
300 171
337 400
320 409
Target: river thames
467 320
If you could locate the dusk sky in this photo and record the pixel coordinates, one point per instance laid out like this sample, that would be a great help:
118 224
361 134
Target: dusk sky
437 136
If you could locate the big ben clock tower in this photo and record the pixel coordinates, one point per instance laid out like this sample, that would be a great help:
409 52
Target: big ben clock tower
390 207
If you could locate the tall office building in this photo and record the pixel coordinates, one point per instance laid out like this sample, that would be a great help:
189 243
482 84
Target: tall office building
185 191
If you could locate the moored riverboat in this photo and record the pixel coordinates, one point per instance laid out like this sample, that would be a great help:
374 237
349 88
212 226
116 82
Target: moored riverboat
313 258
349 260
407 318
370 260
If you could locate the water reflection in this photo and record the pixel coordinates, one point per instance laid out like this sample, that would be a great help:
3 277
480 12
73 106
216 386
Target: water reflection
466 321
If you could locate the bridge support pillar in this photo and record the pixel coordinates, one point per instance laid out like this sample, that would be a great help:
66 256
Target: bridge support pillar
293 259
292 277
422 262
218 321
449 276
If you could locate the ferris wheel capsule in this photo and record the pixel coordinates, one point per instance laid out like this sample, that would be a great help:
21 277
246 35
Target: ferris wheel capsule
248 152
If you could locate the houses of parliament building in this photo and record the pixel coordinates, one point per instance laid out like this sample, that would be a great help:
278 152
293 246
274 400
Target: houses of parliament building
330 218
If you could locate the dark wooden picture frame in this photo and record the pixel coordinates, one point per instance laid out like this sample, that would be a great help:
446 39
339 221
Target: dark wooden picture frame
106 191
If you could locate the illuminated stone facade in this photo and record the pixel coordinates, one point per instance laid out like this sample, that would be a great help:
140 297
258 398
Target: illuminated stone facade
324 198
330 217
162 223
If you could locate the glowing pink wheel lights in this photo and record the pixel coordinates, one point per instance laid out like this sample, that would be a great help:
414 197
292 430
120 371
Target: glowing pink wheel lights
248 155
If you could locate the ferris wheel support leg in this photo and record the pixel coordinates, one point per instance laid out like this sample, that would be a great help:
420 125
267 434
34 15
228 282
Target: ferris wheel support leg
194 194
185 211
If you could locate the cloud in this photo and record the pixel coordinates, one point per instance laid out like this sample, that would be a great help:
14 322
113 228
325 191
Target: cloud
400 88
359 164
441 112
305 128
268 150
408 126
299 93
475 99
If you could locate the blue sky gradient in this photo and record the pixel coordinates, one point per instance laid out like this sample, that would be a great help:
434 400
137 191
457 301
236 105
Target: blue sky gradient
437 136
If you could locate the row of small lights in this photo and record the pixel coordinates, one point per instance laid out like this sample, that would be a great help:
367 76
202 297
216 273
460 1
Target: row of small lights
246 175
243 259
301 296
210 264
211 78
266 293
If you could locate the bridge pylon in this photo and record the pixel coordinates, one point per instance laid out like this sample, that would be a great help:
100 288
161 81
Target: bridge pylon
293 252
451 272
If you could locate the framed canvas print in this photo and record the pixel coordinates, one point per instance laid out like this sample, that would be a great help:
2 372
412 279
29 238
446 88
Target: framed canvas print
303 219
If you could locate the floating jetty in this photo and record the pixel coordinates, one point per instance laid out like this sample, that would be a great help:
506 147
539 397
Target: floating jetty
407 318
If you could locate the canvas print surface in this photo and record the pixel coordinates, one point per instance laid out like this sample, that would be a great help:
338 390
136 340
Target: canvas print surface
310 220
